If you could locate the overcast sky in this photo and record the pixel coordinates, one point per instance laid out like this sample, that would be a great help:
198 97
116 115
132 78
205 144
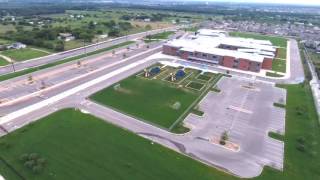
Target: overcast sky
309 2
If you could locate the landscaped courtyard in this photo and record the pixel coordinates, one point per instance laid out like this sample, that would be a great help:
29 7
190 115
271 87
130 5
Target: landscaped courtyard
156 99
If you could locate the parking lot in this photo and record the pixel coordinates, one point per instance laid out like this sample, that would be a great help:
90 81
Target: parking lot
244 109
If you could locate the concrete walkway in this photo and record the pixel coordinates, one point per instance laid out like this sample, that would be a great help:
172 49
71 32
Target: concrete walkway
6 58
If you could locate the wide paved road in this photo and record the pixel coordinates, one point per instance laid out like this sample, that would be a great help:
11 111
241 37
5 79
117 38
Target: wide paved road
75 52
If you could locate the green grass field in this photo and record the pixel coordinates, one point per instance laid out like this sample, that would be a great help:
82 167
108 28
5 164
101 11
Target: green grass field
23 54
3 62
203 77
163 35
276 41
150 100
80 146
282 53
195 85
279 65
271 74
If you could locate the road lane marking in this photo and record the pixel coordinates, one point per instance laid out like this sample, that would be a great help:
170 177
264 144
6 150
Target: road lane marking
73 79
56 98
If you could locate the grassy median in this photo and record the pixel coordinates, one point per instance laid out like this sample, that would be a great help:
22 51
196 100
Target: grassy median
31 70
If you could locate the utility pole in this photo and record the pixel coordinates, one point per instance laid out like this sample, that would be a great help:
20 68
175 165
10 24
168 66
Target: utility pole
84 47
12 64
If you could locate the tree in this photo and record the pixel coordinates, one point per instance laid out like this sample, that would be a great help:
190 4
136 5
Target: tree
79 63
59 46
148 27
114 32
30 79
86 36
224 138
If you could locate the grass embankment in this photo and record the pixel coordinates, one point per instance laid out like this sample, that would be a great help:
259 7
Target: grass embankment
31 70
3 62
23 54
80 146
157 37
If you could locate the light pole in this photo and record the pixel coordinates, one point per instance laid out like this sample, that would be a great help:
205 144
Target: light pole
12 64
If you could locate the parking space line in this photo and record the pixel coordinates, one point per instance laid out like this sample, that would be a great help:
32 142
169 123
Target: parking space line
240 109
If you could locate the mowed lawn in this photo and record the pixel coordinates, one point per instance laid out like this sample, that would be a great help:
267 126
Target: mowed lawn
302 137
80 146
3 62
279 65
282 53
276 41
23 54
150 100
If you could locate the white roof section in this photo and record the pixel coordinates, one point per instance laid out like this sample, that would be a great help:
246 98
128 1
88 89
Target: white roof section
211 32
251 49
225 52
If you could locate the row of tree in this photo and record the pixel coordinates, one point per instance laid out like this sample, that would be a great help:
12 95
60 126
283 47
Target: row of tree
47 35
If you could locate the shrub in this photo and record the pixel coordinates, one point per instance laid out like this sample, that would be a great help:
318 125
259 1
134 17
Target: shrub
155 70
37 168
41 161
176 105
301 147
29 164
24 157
33 156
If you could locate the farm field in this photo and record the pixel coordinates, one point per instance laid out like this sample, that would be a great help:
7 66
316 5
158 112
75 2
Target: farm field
156 100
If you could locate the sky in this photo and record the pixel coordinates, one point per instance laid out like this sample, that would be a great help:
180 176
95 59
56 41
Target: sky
306 2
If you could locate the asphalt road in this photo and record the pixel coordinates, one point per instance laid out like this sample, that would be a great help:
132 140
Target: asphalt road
75 52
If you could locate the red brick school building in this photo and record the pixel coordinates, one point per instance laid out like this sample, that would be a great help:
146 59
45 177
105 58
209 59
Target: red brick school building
216 48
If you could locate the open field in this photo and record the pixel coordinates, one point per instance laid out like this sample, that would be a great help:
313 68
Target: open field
23 54
156 100
30 70
147 99
80 146
276 41
279 65
3 62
